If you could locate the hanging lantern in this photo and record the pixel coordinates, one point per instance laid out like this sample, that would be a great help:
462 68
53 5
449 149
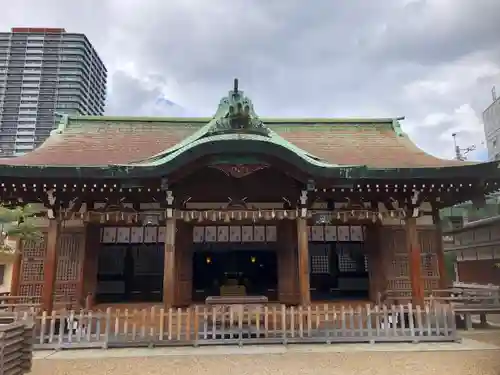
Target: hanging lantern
227 218
273 214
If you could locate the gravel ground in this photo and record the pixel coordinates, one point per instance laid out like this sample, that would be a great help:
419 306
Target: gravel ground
486 362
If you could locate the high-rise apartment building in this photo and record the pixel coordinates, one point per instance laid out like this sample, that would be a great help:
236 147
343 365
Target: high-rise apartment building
491 119
44 73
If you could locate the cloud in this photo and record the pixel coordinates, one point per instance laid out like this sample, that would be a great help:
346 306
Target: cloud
133 96
433 61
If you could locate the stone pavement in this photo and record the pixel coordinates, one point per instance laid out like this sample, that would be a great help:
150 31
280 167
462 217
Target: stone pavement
467 344
477 354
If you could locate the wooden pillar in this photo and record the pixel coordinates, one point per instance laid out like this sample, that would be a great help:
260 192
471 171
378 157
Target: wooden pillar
376 266
414 261
303 261
50 267
16 269
287 263
88 282
183 264
441 263
169 274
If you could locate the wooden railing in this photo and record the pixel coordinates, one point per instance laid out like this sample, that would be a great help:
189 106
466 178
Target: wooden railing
468 300
30 303
242 324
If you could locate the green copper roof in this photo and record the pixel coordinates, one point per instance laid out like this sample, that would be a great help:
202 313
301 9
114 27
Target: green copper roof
236 130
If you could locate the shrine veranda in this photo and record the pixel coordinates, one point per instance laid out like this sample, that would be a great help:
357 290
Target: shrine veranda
173 210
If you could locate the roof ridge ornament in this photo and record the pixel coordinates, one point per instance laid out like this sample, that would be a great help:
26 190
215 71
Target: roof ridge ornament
236 114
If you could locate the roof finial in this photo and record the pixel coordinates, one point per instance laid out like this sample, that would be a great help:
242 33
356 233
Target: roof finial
236 113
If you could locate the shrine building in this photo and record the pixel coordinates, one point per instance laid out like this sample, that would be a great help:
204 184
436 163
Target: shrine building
173 210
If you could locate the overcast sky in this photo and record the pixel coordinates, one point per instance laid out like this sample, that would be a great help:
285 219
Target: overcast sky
433 61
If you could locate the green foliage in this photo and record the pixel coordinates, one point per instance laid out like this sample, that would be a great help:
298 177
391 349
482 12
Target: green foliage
18 223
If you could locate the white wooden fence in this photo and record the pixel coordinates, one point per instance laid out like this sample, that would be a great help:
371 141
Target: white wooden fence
243 324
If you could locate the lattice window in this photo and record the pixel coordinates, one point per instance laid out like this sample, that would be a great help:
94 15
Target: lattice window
428 265
32 270
69 257
65 291
111 260
427 240
431 284
399 266
33 260
34 249
33 291
320 264
319 258
351 258
147 260
399 285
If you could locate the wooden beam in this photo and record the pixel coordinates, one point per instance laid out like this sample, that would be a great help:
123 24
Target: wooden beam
303 260
169 274
414 261
441 263
50 267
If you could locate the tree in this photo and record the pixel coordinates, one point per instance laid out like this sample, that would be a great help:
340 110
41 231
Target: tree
17 222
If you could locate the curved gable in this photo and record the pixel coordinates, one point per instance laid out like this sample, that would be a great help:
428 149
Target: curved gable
315 145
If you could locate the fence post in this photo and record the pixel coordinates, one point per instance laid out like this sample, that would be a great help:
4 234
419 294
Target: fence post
283 324
107 330
196 325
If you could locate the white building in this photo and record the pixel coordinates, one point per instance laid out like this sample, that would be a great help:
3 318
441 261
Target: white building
44 72
491 120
